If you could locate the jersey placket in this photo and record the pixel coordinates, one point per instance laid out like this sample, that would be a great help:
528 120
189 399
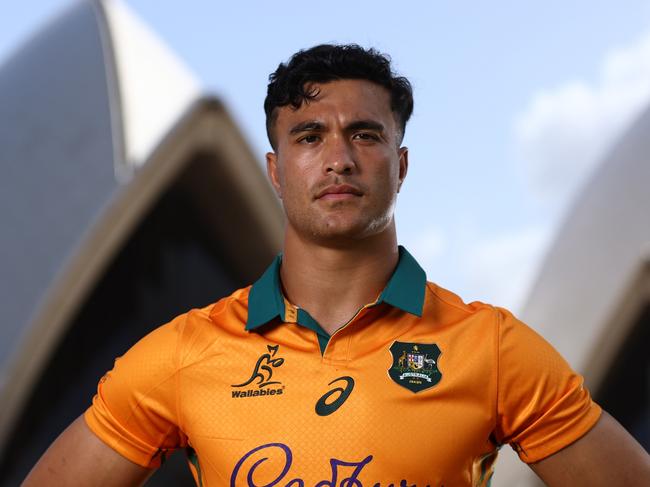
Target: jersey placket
334 348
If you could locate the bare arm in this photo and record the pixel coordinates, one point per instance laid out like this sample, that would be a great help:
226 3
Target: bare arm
606 456
78 458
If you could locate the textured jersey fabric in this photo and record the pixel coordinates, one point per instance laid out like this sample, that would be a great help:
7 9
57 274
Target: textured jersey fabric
418 389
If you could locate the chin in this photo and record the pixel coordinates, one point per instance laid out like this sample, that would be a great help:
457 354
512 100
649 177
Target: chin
343 232
339 226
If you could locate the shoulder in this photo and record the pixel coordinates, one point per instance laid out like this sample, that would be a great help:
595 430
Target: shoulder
497 324
202 330
450 308
229 310
190 335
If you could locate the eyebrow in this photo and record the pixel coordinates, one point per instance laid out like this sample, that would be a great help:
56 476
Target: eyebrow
308 126
313 125
365 125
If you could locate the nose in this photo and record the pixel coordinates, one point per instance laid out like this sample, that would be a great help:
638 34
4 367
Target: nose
339 158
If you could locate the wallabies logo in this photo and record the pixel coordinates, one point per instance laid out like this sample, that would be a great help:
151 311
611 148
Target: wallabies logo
262 375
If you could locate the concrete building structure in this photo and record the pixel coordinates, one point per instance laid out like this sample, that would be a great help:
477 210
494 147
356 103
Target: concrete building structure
127 194
591 299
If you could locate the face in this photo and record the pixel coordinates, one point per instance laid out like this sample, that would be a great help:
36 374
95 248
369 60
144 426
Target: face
338 166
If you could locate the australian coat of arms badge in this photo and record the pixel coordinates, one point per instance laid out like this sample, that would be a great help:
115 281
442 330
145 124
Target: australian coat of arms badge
415 365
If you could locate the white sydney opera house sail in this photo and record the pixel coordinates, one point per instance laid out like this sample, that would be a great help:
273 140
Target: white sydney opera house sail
113 157
591 299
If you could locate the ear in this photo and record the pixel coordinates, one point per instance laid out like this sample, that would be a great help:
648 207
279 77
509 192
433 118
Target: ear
273 172
403 165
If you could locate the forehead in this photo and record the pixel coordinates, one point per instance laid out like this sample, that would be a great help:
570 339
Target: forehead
341 101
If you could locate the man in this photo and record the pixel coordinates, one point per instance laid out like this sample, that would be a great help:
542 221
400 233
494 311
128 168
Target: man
342 366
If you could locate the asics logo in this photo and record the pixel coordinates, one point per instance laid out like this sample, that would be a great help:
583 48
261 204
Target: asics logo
325 408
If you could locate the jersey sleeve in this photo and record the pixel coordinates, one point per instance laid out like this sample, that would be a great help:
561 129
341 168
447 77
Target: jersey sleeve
135 408
542 404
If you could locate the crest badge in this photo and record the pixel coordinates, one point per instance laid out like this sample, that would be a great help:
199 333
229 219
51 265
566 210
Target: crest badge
415 365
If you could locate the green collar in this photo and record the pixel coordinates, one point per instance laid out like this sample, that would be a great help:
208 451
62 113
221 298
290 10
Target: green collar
405 290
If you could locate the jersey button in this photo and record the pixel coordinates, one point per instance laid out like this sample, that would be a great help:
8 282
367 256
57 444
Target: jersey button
290 314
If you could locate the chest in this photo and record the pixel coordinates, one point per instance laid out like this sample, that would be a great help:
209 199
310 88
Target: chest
418 409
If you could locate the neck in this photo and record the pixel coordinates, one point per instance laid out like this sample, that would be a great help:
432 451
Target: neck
333 282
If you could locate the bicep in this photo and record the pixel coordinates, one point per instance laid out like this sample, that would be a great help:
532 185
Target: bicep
606 455
78 457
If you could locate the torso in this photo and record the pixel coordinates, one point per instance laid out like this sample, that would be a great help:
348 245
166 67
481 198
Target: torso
388 431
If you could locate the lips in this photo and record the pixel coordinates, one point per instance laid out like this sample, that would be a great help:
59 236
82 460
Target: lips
339 191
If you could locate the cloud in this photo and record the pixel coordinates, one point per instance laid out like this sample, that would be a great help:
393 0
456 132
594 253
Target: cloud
429 245
567 130
500 269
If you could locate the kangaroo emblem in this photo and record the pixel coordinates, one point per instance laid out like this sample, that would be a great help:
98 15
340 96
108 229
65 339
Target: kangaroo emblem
400 360
263 370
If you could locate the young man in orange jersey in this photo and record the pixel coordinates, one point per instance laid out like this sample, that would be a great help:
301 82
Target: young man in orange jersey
342 365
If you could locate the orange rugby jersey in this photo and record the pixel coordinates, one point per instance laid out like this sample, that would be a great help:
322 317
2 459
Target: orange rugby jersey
417 389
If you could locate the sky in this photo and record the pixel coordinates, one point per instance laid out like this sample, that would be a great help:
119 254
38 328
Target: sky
515 105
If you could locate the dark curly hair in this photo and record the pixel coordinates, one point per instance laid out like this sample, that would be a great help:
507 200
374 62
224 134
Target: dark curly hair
327 62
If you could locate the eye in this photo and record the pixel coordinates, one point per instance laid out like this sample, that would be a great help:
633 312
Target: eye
366 136
309 139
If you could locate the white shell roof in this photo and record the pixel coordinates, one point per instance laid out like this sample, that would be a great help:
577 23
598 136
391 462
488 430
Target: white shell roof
594 279
594 265
83 104
153 86
98 117
59 149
